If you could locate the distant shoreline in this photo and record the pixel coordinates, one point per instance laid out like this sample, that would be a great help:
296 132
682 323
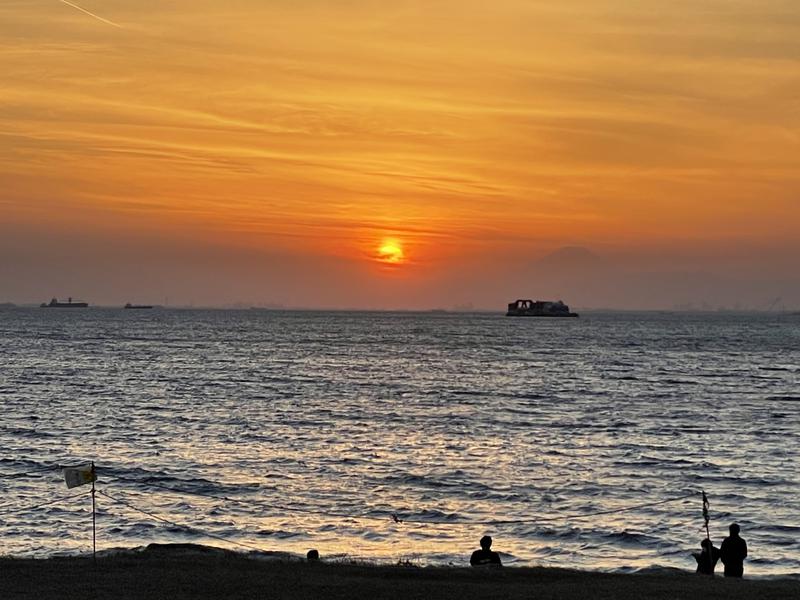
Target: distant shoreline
198 572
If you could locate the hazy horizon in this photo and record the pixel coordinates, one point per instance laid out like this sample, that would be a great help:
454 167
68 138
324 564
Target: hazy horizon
576 275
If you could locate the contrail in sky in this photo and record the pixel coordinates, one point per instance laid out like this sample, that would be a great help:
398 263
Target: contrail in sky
91 14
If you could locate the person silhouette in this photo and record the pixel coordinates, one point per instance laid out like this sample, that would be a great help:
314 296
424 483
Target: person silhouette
312 555
707 558
485 557
733 552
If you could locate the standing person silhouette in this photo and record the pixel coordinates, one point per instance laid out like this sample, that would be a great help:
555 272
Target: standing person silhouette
485 556
733 552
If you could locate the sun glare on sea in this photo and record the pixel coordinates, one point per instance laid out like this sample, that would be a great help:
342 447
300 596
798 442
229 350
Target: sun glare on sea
391 252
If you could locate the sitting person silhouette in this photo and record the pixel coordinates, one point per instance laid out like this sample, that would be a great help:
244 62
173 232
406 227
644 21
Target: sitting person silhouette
485 557
707 559
733 552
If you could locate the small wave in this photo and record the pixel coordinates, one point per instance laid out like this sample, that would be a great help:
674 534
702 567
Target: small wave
544 552
677 382
730 479
784 528
627 538
138 530
24 432
278 534
433 516
144 479
562 533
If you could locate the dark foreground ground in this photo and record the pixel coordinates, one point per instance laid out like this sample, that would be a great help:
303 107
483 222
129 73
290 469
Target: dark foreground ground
170 575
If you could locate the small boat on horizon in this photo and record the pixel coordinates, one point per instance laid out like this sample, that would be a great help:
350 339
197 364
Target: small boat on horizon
130 306
539 308
54 303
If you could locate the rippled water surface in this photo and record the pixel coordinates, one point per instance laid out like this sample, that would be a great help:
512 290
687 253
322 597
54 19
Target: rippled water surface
293 430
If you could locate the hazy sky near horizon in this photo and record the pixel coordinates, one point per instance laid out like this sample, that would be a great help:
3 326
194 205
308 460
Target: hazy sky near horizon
265 151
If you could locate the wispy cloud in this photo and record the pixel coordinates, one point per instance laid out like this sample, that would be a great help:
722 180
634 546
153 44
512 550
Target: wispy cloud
91 14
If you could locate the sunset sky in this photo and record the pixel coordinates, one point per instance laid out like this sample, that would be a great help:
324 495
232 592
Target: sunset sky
408 154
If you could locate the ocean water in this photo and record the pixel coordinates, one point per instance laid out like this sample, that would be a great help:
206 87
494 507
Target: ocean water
294 430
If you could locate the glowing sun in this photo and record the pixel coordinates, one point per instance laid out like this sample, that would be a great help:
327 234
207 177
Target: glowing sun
391 252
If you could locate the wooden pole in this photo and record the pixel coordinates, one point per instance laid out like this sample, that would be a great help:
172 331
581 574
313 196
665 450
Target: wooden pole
708 535
94 519
94 535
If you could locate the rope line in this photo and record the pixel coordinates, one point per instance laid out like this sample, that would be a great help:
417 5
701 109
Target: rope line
178 525
397 518
42 505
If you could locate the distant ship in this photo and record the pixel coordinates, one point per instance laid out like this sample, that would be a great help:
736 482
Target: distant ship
54 303
539 308
137 306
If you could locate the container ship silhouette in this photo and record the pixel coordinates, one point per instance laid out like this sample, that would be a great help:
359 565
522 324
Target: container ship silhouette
539 308
54 303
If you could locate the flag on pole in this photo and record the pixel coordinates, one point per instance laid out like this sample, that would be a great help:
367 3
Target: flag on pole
75 476
705 508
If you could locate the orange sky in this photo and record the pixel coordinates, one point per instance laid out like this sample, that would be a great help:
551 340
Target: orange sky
275 146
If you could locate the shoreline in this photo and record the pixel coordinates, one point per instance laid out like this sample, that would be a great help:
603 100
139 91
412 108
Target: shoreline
178 571
379 563
178 549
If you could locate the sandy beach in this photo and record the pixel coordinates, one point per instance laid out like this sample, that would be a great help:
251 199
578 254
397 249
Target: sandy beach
175 573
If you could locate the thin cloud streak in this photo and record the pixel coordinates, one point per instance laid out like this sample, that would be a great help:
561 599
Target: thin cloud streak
91 14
